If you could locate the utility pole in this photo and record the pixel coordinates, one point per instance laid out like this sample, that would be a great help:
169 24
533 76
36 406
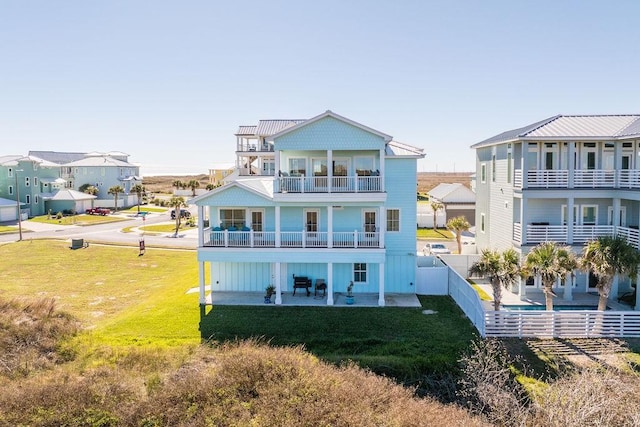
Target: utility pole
18 206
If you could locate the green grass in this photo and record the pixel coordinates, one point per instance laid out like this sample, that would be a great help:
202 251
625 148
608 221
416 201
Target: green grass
400 342
429 233
82 219
481 293
164 228
144 208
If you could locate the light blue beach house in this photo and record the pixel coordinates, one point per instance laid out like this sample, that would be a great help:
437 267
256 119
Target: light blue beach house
567 179
317 203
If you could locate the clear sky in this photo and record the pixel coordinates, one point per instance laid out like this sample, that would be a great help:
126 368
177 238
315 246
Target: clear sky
168 82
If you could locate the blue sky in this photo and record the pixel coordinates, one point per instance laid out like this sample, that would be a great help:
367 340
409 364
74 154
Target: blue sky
169 81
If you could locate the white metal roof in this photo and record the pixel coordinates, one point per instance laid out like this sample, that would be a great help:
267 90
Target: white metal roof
246 130
99 161
271 127
452 193
575 126
395 148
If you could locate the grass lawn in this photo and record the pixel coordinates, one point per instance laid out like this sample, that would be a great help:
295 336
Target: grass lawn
82 219
399 342
126 300
165 228
112 290
7 229
429 233
145 208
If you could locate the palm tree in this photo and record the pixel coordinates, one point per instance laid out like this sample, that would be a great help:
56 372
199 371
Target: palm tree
115 190
89 189
177 202
435 207
502 269
551 261
605 257
458 225
139 190
193 184
179 184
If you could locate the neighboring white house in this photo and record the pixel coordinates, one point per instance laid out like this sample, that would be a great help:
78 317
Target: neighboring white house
567 179
458 200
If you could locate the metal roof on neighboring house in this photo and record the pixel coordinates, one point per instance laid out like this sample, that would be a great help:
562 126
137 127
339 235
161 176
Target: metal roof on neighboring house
246 131
452 193
99 161
57 156
69 194
271 127
575 126
395 148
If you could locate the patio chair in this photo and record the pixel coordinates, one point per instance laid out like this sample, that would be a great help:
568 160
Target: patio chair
321 285
301 282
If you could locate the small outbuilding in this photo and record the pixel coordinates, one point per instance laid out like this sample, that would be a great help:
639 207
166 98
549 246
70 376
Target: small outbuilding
458 200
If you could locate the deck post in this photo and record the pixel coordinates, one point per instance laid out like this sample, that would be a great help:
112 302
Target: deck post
278 286
381 285
637 307
329 283
522 289
568 287
201 283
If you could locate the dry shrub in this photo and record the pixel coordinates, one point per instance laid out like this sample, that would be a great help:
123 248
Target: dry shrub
593 397
254 384
30 335
487 386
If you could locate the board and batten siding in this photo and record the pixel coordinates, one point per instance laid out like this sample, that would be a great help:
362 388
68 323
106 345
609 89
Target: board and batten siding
329 134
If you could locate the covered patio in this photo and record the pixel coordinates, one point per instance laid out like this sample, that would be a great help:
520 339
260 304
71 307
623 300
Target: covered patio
339 299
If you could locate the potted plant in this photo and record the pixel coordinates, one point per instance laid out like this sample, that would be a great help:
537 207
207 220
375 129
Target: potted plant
269 290
349 299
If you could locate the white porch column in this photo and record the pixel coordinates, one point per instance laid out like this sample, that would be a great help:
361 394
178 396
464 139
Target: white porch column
329 170
637 307
381 285
277 161
568 287
522 289
330 283
382 174
329 226
201 274
613 295
523 217
615 215
278 287
570 220
277 226
201 226
570 161
383 226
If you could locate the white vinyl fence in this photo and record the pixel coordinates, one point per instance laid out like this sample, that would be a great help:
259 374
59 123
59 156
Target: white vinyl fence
562 324
467 299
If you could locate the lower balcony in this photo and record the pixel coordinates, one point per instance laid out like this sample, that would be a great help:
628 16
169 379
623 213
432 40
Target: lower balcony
590 178
537 233
292 239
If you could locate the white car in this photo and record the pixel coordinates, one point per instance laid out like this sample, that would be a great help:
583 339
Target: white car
435 249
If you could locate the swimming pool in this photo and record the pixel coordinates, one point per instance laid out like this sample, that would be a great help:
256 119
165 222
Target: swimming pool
555 307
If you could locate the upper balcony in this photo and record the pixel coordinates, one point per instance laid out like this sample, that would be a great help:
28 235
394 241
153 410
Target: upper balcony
323 184
253 146
592 178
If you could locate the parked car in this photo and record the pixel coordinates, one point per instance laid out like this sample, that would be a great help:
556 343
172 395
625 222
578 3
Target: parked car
435 249
183 214
98 211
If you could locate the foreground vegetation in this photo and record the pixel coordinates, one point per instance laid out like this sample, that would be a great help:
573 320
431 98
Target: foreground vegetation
107 337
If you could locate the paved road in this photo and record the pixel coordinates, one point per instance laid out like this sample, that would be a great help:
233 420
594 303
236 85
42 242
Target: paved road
109 232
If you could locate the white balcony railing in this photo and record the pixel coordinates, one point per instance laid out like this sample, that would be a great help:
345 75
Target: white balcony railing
598 178
323 184
291 239
581 233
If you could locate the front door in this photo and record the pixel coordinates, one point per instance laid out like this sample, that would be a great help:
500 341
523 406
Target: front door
370 221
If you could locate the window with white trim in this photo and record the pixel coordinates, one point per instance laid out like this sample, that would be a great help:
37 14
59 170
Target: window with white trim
232 218
11 190
359 272
28 199
483 173
589 214
393 219
36 199
482 222
27 182
35 181
10 172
